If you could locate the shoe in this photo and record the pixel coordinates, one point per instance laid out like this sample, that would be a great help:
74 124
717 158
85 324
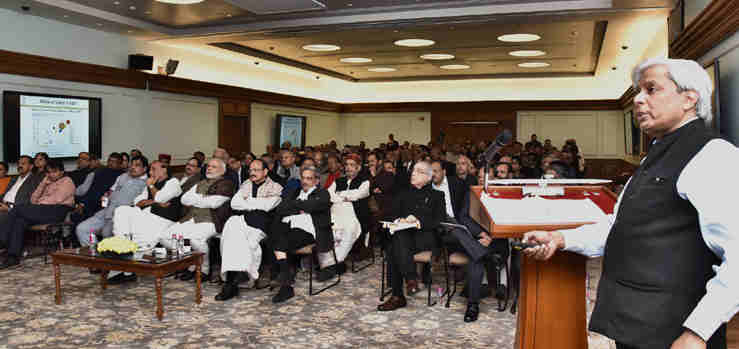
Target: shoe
500 292
285 293
121 278
473 310
11 262
229 290
187 275
326 274
411 287
393 303
485 291
341 268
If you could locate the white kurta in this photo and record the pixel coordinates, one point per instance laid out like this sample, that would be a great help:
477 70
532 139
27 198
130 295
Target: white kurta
240 249
346 226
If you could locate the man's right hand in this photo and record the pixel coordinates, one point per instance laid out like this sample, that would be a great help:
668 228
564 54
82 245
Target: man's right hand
549 242
4 207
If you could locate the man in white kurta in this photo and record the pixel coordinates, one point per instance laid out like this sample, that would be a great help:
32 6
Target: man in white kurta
199 225
347 228
154 209
240 249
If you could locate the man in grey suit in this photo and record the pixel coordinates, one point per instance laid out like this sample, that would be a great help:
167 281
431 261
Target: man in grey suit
128 186
20 188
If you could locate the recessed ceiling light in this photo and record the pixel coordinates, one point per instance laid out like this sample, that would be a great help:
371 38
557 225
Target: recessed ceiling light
147 12
534 65
132 8
66 16
519 37
455 66
356 60
130 31
437 56
99 24
527 53
321 47
382 70
228 15
414 42
180 2
116 2
350 4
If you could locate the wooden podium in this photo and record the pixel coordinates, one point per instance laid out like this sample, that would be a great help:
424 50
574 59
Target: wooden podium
551 301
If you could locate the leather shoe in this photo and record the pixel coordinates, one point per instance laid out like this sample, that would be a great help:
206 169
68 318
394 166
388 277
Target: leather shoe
229 290
326 274
187 275
393 303
411 287
121 278
285 293
473 310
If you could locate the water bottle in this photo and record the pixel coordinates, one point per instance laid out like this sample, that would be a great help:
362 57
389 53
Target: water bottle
104 202
173 244
180 244
92 241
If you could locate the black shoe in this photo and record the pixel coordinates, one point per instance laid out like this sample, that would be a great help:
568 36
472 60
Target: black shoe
187 275
485 291
326 274
11 262
121 278
285 293
473 310
229 290
341 268
500 292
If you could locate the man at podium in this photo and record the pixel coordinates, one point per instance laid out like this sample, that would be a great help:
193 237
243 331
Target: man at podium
667 278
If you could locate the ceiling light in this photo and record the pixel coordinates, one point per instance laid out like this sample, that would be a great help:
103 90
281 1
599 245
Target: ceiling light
100 24
437 56
381 70
132 8
116 2
356 60
527 53
534 65
455 66
66 16
414 42
519 37
180 2
321 47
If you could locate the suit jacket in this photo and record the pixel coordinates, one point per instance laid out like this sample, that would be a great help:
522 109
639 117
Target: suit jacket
23 196
427 205
128 189
318 206
458 191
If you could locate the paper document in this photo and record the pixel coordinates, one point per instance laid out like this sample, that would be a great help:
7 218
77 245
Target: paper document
393 226
536 210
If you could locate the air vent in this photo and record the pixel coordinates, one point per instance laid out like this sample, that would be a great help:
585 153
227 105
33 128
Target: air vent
261 7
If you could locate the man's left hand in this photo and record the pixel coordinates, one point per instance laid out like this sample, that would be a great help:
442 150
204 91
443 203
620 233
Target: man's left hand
689 340
485 239
151 181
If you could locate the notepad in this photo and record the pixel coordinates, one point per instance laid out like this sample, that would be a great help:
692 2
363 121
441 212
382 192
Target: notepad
393 226
536 210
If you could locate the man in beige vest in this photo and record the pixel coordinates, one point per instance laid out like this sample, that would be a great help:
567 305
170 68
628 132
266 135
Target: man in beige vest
209 211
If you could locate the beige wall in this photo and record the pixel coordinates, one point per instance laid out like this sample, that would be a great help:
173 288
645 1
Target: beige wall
599 134
321 126
373 128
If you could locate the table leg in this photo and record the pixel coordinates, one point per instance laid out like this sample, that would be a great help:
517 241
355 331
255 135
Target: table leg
104 279
58 282
160 307
198 295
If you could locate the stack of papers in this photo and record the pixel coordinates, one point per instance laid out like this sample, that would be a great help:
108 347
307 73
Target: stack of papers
393 227
536 210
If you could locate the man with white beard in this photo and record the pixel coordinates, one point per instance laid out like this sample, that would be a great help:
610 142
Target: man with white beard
240 250
207 215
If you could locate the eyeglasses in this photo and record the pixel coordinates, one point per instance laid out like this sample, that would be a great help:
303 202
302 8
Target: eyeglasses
256 169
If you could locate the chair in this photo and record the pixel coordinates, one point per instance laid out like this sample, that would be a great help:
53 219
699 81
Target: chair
424 257
311 251
49 236
357 250
458 259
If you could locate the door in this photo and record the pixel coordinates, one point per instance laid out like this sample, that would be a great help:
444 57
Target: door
236 130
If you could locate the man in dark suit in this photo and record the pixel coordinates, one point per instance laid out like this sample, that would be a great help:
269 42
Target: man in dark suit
423 206
20 188
302 218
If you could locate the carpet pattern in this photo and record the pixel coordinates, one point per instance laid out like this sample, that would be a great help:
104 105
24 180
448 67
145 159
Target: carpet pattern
345 316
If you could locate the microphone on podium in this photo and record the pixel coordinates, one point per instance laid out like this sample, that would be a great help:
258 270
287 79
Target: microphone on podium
503 139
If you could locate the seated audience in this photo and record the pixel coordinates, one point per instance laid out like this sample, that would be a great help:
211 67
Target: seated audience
136 152
83 169
209 210
350 214
288 169
333 170
222 154
464 171
558 170
50 203
96 184
302 218
423 206
39 163
242 233
165 159
234 164
192 174
4 178
125 161
502 170
123 193
20 188
200 156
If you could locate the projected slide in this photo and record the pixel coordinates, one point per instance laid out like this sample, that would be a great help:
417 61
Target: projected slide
57 126
291 130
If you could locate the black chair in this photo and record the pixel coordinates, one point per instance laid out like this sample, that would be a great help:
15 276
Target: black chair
356 253
311 251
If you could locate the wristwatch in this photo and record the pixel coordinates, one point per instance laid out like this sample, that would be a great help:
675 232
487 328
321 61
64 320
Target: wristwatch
151 186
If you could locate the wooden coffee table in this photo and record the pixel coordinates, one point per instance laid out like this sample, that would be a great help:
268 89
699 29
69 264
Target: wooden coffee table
141 264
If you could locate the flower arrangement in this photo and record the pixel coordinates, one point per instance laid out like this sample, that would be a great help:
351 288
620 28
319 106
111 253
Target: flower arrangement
117 244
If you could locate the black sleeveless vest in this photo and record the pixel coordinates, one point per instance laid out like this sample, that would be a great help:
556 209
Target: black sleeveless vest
361 207
656 263
172 212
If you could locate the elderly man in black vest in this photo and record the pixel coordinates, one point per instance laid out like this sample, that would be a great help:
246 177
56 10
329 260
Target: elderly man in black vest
423 206
667 281
302 218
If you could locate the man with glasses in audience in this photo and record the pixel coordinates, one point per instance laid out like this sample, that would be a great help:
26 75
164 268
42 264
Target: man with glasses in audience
240 249
83 169
302 218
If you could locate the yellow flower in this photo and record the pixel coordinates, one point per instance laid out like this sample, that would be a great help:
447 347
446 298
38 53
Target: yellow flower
117 244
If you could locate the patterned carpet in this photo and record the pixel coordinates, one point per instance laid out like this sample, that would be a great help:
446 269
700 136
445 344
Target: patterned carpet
124 316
